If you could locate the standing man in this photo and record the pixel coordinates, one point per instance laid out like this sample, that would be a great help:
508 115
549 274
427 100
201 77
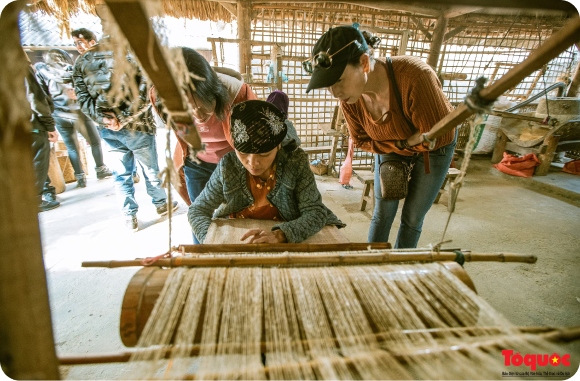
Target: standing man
42 131
126 124
84 39
55 77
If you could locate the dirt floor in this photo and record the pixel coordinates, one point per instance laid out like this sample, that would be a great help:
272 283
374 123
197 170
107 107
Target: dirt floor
493 214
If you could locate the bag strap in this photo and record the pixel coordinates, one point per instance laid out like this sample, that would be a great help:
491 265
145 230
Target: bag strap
400 103
397 93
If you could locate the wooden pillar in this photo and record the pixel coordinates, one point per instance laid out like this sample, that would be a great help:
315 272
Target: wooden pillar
245 34
573 89
437 41
26 337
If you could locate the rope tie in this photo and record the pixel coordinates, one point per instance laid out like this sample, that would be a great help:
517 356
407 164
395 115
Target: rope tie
459 257
151 260
475 102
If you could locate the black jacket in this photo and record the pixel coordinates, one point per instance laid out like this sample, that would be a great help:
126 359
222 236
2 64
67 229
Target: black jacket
40 104
92 75
55 80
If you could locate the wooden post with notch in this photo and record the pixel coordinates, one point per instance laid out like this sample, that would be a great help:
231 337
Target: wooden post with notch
26 337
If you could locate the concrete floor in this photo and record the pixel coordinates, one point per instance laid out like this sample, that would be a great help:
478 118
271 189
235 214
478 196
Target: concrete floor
493 214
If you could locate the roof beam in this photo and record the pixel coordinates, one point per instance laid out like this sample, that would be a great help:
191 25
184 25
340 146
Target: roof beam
459 11
232 8
433 8
419 23
380 5
454 32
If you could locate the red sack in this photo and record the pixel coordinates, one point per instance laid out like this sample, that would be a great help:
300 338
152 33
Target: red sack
572 167
518 166
346 169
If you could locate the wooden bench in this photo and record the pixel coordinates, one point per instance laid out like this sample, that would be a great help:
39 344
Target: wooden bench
452 173
321 149
368 181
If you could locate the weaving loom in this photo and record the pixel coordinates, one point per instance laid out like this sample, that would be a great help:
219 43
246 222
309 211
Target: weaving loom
324 315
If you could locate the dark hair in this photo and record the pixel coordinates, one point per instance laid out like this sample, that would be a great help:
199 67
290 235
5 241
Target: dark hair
372 41
210 88
84 33
58 56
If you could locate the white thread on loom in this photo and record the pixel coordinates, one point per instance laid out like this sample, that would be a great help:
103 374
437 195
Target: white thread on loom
338 322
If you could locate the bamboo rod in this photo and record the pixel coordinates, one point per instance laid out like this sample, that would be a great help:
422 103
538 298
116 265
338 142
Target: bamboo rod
511 115
102 358
282 247
328 259
549 50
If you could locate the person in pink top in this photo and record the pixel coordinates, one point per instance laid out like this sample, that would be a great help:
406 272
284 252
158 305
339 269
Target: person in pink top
214 96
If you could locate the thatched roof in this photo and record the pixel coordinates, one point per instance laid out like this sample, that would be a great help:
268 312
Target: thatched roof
471 24
192 9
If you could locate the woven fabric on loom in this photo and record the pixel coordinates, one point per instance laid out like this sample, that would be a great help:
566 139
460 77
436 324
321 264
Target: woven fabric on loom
342 322
230 231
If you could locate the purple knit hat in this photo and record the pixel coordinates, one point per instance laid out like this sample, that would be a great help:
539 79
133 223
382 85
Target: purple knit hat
280 100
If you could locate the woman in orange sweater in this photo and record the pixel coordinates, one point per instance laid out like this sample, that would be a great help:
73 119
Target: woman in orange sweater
387 103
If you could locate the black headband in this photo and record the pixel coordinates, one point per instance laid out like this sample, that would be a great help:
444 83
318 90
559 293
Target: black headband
257 126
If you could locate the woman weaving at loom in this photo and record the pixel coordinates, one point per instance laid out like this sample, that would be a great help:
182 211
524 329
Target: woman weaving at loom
263 180
216 91
387 103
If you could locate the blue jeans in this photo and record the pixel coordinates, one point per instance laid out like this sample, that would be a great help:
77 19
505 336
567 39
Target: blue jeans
130 146
68 128
423 189
40 160
196 176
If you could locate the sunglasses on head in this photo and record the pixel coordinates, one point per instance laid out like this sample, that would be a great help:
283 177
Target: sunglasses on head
323 59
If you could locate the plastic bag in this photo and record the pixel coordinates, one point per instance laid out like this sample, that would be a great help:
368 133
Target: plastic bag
518 166
485 140
346 169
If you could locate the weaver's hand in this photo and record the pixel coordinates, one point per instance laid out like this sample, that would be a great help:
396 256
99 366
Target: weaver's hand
415 139
52 136
112 123
71 93
261 236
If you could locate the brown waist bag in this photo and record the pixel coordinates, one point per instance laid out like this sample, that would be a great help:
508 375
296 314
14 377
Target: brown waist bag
395 176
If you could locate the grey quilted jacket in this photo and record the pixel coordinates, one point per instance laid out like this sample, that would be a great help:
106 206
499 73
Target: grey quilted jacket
92 80
295 195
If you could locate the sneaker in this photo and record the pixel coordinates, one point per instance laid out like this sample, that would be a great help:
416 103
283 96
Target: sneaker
162 210
81 180
103 172
131 223
48 205
49 197
136 178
